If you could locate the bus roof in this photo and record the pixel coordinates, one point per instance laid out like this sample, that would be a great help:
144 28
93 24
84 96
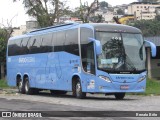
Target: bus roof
115 28
96 26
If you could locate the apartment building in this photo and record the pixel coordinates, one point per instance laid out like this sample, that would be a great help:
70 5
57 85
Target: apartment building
143 10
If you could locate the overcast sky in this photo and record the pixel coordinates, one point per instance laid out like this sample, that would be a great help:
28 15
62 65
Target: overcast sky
15 11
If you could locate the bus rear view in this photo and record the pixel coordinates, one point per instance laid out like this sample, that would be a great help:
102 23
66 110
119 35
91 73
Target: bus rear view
101 58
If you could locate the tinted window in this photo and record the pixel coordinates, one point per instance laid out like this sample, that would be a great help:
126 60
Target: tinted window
71 43
11 47
53 42
46 43
17 47
34 45
60 40
24 49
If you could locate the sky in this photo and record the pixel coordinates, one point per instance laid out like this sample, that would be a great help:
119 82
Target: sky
14 13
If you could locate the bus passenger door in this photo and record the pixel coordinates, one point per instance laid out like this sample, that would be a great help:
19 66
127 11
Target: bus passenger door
88 62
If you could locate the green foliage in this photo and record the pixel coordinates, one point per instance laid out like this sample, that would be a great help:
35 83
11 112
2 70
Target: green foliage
45 11
153 87
3 84
103 4
148 27
86 12
120 12
3 44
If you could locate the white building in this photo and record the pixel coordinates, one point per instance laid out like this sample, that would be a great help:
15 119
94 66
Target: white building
143 10
19 31
31 25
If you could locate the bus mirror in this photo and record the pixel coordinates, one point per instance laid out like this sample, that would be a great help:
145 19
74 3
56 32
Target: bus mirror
153 47
98 46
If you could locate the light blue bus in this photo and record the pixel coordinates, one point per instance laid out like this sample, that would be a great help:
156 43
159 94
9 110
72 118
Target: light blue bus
81 58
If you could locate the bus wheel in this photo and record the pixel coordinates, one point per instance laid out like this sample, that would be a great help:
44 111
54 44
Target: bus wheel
21 87
58 92
28 90
119 96
78 90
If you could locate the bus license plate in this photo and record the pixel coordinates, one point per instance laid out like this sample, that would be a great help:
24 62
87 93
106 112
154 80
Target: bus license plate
124 87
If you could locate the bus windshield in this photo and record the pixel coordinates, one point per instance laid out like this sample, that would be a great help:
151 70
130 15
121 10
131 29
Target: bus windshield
121 52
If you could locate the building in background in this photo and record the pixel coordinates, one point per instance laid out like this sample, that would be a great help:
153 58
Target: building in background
19 31
31 25
143 10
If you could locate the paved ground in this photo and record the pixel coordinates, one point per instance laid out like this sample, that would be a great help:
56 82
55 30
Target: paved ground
12 101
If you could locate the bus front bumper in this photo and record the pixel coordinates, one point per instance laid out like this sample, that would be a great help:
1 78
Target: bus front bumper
114 87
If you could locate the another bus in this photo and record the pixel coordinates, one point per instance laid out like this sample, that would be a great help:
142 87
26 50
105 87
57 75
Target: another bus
81 58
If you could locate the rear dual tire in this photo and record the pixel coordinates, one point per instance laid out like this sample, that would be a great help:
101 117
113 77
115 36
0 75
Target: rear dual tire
28 89
24 87
21 87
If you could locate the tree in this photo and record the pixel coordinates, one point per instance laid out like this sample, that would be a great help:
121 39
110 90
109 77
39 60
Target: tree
120 12
103 4
86 11
148 27
3 44
97 19
45 11
4 35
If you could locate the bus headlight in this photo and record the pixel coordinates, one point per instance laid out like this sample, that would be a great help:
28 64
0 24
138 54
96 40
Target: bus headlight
142 78
105 78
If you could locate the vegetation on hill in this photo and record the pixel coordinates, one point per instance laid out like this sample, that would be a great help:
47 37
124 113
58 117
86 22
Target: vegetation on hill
148 27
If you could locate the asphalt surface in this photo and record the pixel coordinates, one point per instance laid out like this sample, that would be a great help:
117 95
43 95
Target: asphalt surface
13 101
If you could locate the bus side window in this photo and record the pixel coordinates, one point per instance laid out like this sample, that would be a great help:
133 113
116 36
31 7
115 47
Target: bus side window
71 43
53 42
46 45
17 47
34 45
24 49
11 45
59 43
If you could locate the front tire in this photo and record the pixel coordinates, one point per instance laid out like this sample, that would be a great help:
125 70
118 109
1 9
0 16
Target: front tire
77 90
119 96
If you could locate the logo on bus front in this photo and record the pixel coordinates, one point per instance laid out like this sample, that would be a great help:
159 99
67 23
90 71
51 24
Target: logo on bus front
124 77
26 59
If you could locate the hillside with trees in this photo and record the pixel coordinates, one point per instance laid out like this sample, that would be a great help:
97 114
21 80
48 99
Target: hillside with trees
148 27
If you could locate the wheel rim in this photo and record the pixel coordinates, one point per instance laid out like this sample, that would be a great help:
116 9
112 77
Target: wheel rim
78 89
26 86
20 86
